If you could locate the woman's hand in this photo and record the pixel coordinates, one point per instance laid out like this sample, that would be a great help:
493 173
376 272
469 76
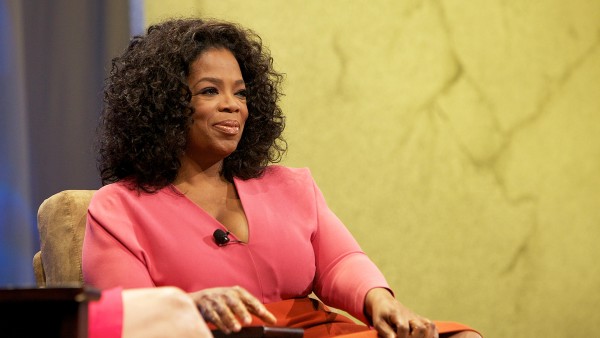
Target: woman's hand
221 306
392 319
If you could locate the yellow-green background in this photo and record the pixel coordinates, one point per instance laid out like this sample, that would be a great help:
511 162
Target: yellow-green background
458 140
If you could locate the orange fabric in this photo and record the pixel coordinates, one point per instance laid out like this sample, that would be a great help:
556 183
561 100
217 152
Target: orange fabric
451 327
318 321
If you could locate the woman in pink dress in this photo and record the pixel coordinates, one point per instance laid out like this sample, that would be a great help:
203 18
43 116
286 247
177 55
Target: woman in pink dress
190 130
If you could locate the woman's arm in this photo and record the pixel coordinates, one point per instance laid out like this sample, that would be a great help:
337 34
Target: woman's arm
344 273
111 254
107 262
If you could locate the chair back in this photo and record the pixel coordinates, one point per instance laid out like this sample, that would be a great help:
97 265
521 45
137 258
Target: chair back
61 224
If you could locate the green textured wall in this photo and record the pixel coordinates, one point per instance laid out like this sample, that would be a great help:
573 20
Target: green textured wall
458 140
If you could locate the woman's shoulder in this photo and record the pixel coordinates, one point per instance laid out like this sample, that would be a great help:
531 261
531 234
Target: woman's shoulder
279 172
280 183
281 178
120 187
121 190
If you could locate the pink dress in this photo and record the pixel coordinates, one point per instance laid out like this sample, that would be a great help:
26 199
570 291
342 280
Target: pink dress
296 244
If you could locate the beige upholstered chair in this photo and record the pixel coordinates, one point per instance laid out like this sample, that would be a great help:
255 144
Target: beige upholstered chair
61 224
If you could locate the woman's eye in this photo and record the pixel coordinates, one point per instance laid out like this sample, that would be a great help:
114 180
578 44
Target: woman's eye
242 93
209 91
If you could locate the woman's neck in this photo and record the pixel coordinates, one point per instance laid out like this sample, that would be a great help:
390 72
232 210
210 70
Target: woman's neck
193 174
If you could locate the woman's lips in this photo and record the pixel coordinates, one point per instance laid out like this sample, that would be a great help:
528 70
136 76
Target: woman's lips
229 127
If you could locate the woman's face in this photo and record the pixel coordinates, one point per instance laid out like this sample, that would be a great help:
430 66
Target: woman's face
219 102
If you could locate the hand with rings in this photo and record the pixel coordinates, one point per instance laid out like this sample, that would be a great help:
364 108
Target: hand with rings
224 306
392 319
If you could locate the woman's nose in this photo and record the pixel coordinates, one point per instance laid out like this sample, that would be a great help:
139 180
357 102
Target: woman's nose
229 103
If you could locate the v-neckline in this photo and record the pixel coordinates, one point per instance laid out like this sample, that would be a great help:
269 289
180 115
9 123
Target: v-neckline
214 219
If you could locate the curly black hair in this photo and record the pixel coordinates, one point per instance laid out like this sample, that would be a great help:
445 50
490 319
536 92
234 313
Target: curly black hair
147 112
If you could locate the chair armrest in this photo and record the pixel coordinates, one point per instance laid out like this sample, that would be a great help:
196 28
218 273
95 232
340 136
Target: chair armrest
38 270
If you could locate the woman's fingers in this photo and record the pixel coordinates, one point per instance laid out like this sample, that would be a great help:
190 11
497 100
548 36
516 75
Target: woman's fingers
210 314
432 329
422 328
221 315
238 307
417 328
392 319
223 307
398 325
255 307
214 307
392 327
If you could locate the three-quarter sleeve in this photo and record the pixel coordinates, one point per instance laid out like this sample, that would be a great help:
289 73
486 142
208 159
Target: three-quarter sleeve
344 273
112 255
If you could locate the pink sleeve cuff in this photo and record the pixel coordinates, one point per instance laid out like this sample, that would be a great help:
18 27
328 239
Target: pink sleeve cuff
105 317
